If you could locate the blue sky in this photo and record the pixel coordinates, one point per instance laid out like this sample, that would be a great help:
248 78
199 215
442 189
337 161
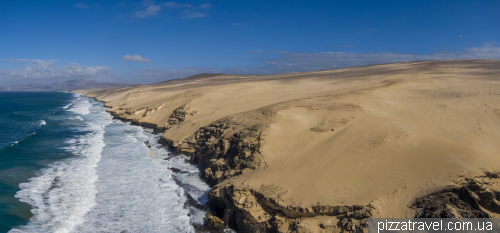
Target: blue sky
152 41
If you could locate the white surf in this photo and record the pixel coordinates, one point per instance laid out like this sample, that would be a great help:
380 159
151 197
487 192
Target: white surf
115 183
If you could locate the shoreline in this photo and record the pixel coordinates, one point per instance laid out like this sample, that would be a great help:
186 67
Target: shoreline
190 200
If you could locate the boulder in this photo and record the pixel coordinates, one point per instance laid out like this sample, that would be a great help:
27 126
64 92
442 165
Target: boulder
214 222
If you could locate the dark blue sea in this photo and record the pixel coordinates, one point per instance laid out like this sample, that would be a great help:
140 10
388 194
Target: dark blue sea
67 166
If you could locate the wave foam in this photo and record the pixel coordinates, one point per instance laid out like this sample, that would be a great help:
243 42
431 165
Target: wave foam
136 194
80 106
114 184
188 179
72 102
65 191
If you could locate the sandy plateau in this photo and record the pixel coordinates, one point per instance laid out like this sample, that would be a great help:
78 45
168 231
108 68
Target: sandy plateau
324 151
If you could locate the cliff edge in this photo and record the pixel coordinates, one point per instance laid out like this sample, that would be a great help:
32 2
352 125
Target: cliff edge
323 151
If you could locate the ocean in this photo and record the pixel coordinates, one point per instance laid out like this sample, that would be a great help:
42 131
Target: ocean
67 166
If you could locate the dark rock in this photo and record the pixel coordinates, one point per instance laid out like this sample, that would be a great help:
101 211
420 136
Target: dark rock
214 222
451 202
176 170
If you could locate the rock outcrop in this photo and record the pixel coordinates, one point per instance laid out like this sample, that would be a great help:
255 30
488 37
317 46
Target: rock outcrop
476 197
223 149
250 210
451 202
178 116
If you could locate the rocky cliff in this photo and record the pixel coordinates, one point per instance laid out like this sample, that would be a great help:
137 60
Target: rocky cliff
324 151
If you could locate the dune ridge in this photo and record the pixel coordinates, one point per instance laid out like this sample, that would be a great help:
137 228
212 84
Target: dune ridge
323 151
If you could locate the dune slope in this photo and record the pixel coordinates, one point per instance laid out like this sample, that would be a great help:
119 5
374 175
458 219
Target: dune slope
322 151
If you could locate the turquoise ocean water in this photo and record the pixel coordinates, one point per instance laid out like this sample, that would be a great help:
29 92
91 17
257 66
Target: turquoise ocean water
67 166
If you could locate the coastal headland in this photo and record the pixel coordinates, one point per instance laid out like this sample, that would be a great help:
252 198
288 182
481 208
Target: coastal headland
323 151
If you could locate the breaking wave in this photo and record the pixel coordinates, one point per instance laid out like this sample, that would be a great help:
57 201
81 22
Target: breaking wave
40 124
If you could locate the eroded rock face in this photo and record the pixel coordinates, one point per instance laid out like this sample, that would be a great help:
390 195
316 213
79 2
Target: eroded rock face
223 149
178 116
452 202
224 156
250 210
467 198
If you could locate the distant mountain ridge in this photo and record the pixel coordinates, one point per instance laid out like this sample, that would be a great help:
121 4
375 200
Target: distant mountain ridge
75 84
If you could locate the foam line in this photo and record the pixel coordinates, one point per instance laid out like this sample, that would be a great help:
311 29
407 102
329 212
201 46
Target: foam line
115 183
65 191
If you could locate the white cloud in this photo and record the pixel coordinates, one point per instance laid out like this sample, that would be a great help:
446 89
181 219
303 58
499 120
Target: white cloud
488 50
81 6
190 13
136 58
177 5
151 10
45 69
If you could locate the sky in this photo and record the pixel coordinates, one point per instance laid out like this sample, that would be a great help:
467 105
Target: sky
152 41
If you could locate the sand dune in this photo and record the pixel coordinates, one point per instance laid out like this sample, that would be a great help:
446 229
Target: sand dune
303 151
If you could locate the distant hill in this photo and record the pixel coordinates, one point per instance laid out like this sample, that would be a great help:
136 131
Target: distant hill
69 85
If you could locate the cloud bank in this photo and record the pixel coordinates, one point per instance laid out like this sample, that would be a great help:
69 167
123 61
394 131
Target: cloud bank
301 62
136 58
151 10
40 69
284 62
189 12
177 5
